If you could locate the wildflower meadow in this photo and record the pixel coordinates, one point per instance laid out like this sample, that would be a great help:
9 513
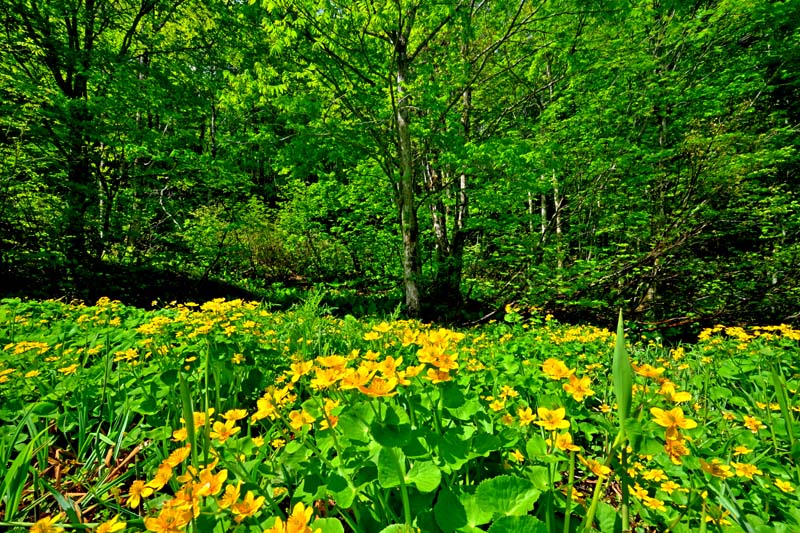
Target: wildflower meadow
229 416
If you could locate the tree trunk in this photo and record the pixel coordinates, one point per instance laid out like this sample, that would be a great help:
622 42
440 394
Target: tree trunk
409 226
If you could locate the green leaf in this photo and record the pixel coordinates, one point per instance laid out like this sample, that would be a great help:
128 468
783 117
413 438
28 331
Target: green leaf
477 515
622 375
340 489
507 495
536 447
608 518
540 477
389 467
397 528
328 525
449 512
518 524
425 476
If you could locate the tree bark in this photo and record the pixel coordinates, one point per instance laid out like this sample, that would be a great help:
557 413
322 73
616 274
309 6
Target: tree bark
409 225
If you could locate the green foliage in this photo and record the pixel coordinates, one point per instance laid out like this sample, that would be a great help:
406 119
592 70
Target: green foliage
350 425
581 158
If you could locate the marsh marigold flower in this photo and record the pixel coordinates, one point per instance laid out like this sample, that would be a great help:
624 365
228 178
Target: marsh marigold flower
111 526
741 450
564 442
556 369
716 468
162 477
746 470
230 496
298 419
753 424
380 387
138 490
247 507
222 431
654 503
48 525
552 420
672 419
296 523
579 388
526 416
597 468
169 520
648 371
784 485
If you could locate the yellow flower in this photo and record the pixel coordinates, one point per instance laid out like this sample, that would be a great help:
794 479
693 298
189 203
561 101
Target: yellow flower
111 526
517 455
208 483
579 388
753 424
598 469
508 392
784 485
670 486
178 456
296 523
235 414
380 387
222 431
298 419
48 525
356 377
180 435
639 492
672 419
325 377
718 517
675 447
67 370
716 468
138 490
655 474
648 371
230 496
746 470
526 416
497 405
31 374
741 450
162 477
300 369
552 420
564 442
654 503
372 336
169 520
388 367
247 507
556 369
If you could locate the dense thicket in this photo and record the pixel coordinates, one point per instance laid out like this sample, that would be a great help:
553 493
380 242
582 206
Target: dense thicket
572 155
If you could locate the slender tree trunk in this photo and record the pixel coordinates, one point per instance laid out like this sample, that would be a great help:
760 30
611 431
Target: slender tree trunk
409 225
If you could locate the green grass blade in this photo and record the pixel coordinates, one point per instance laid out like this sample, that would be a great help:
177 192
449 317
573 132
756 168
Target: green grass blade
188 416
15 476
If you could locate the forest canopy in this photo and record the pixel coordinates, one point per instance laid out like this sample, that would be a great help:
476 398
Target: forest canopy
576 156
